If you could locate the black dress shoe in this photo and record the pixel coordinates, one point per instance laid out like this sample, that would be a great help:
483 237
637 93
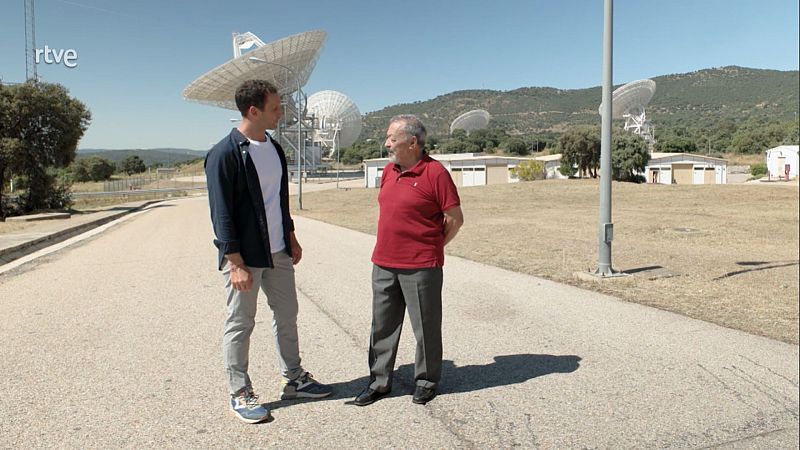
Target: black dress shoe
423 395
369 396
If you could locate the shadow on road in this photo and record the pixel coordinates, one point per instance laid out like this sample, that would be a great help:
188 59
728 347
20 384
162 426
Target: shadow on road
505 370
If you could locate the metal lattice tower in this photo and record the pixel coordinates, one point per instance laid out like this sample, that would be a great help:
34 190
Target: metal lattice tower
30 42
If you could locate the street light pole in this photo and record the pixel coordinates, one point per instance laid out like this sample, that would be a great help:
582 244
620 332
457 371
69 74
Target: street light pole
300 146
338 160
605 230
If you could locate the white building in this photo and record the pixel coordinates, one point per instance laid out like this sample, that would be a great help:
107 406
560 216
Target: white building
552 166
466 169
782 160
685 168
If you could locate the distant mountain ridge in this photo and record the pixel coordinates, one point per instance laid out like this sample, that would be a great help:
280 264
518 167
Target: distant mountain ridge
152 156
694 99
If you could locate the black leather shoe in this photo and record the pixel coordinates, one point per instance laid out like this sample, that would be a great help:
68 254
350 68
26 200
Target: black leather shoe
423 395
369 396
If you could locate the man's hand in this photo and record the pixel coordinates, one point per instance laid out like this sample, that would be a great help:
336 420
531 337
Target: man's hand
453 219
241 278
297 251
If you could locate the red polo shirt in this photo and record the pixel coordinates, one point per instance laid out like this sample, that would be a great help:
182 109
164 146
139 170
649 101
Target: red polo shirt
411 221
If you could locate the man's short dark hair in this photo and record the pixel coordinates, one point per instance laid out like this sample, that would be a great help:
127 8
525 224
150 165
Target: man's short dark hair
253 93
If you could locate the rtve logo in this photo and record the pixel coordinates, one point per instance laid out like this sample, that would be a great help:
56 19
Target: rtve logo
67 57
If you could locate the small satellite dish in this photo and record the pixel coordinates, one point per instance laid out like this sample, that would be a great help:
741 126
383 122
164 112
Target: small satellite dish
471 121
337 117
628 102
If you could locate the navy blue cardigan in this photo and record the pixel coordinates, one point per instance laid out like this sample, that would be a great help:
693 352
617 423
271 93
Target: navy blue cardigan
237 207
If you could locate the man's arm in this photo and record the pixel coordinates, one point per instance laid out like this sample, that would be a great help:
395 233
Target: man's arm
220 168
453 219
297 251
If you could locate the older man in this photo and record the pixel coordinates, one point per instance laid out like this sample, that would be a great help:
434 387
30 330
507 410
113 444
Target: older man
420 213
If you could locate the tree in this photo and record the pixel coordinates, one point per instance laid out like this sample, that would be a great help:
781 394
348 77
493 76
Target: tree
517 147
580 151
459 133
459 146
755 137
676 144
132 164
79 171
629 157
487 139
100 169
529 170
40 129
92 168
360 151
431 142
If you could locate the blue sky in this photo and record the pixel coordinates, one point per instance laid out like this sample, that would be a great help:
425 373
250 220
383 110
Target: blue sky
135 58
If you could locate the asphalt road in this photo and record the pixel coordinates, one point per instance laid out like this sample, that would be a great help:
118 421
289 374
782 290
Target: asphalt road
114 341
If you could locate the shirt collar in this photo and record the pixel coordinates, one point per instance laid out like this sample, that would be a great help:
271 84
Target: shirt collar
417 169
241 139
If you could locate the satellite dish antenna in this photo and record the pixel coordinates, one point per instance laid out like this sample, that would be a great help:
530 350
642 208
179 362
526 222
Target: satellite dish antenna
286 63
471 121
628 102
338 119
337 114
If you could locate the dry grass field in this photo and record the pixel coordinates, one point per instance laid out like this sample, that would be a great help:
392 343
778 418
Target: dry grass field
726 254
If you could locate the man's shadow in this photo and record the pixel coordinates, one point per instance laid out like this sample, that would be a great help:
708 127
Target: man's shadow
505 370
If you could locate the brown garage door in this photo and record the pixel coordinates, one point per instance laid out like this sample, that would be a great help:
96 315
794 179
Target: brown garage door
682 173
458 176
709 176
497 175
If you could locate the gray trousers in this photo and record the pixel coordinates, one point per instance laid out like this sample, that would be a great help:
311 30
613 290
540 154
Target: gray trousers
420 292
279 286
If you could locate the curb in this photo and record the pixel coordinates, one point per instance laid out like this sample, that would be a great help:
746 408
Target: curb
17 251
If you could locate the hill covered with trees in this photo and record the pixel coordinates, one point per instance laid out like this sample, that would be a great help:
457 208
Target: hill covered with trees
156 157
705 109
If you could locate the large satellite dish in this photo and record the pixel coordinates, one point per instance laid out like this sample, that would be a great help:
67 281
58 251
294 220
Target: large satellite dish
471 121
285 63
628 102
337 117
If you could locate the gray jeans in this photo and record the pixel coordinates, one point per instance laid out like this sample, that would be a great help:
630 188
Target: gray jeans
393 292
279 286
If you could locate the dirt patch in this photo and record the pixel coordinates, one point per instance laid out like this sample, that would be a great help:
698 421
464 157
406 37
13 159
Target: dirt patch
13 227
724 254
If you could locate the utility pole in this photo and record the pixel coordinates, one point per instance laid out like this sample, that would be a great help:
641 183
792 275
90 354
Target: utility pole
30 42
605 229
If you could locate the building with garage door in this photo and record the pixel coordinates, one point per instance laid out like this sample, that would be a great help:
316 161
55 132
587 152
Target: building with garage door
686 168
782 161
466 169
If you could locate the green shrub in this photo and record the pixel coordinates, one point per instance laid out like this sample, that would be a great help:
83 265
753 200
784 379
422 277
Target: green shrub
758 169
529 170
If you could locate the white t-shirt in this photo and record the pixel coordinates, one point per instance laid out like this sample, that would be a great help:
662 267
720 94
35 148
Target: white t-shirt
268 166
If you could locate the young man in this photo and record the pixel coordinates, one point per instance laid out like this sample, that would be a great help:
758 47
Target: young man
248 192
419 214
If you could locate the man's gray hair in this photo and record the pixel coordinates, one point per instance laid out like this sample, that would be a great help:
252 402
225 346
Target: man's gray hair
412 126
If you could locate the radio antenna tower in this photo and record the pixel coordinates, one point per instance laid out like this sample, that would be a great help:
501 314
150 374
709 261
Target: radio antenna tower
30 43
